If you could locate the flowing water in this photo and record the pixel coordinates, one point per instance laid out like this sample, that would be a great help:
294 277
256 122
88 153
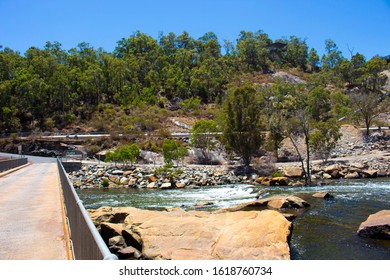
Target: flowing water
326 230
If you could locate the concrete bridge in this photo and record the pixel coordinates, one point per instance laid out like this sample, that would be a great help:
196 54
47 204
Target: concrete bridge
39 222
31 213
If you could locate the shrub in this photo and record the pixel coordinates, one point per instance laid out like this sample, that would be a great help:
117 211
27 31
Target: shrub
105 182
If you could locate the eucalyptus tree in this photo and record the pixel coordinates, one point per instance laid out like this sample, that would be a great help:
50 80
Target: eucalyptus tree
202 136
296 112
332 56
242 122
296 54
252 50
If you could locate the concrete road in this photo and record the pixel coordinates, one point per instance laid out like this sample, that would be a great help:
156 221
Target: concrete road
31 216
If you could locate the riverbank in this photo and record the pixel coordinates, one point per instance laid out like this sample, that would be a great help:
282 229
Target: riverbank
94 175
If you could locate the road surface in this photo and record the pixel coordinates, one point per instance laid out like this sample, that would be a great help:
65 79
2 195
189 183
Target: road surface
31 215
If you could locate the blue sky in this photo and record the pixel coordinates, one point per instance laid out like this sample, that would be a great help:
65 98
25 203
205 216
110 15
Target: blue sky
363 26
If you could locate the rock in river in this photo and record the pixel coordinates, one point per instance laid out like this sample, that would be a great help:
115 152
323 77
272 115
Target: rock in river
323 195
181 235
274 202
376 226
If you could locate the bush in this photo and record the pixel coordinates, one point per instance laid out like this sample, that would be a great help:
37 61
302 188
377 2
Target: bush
277 173
191 104
172 151
105 182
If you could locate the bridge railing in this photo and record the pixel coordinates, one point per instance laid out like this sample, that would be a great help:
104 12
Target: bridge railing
12 163
87 243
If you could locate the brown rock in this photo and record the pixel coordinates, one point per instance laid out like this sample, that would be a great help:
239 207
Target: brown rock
323 195
152 185
369 173
327 176
151 178
293 172
132 239
129 253
275 202
166 186
123 181
180 235
132 182
279 181
266 182
260 180
108 214
116 243
353 175
329 169
376 226
114 179
108 230
180 185
358 165
287 202
335 174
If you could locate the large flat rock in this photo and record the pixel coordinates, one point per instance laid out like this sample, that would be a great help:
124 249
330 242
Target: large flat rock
181 235
273 202
376 226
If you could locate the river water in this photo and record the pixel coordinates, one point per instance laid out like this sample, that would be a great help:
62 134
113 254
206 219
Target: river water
325 231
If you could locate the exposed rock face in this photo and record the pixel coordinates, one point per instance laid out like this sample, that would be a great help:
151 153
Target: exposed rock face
274 202
376 226
180 235
353 175
293 172
323 195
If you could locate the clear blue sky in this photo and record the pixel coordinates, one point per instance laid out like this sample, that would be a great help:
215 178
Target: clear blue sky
364 26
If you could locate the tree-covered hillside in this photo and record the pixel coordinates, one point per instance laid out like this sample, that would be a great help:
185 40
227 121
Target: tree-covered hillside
51 88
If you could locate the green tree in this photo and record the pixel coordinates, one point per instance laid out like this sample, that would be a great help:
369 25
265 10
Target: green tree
172 151
300 111
332 56
241 122
129 153
323 139
296 53
313 60
372 78
366 106
202 136
124 154
252 50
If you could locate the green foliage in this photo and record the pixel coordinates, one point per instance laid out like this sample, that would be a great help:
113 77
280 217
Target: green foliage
367 106
190 104
201 136
332 56
124 154
53 88
105 182
151 146
252 50
296 53
313 59
242 123
324 138
277 173
172 151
